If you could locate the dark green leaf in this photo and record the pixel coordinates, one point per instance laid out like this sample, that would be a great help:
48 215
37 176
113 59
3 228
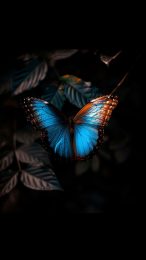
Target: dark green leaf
77 91
28 75
27 160
6 161
33 154
27 136
8 180
54 95
40 179
60 55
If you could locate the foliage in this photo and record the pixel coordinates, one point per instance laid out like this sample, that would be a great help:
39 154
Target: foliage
58 77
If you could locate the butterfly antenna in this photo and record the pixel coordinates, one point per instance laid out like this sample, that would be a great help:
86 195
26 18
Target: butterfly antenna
119 84
125 76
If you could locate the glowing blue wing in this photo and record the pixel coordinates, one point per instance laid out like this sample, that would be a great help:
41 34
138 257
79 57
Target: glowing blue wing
89 123
46 117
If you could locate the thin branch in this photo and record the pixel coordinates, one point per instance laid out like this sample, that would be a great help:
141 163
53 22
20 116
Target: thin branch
119 84
125 76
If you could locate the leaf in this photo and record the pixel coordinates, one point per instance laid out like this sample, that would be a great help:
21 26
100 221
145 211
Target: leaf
122 155
77 91
58 99
95 165
81 167
121 146
8 180
118 144
40 179
108 59
29 76
60 54
27 57
54 95
5 86
33 154
27 136
2 144
26 160
6 161
105 154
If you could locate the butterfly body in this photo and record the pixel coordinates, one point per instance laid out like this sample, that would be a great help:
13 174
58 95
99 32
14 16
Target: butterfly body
74 137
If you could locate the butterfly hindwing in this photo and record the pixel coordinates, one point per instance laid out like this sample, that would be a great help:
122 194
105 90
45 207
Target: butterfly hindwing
89 124
52 124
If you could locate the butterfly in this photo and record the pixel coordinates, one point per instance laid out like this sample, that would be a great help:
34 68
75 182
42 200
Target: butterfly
74 137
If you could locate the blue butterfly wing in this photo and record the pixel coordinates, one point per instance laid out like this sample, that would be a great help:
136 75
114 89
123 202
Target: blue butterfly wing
89 124
48 119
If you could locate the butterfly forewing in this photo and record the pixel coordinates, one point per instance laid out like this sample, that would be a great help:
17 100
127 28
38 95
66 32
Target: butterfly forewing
53 125
89 124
